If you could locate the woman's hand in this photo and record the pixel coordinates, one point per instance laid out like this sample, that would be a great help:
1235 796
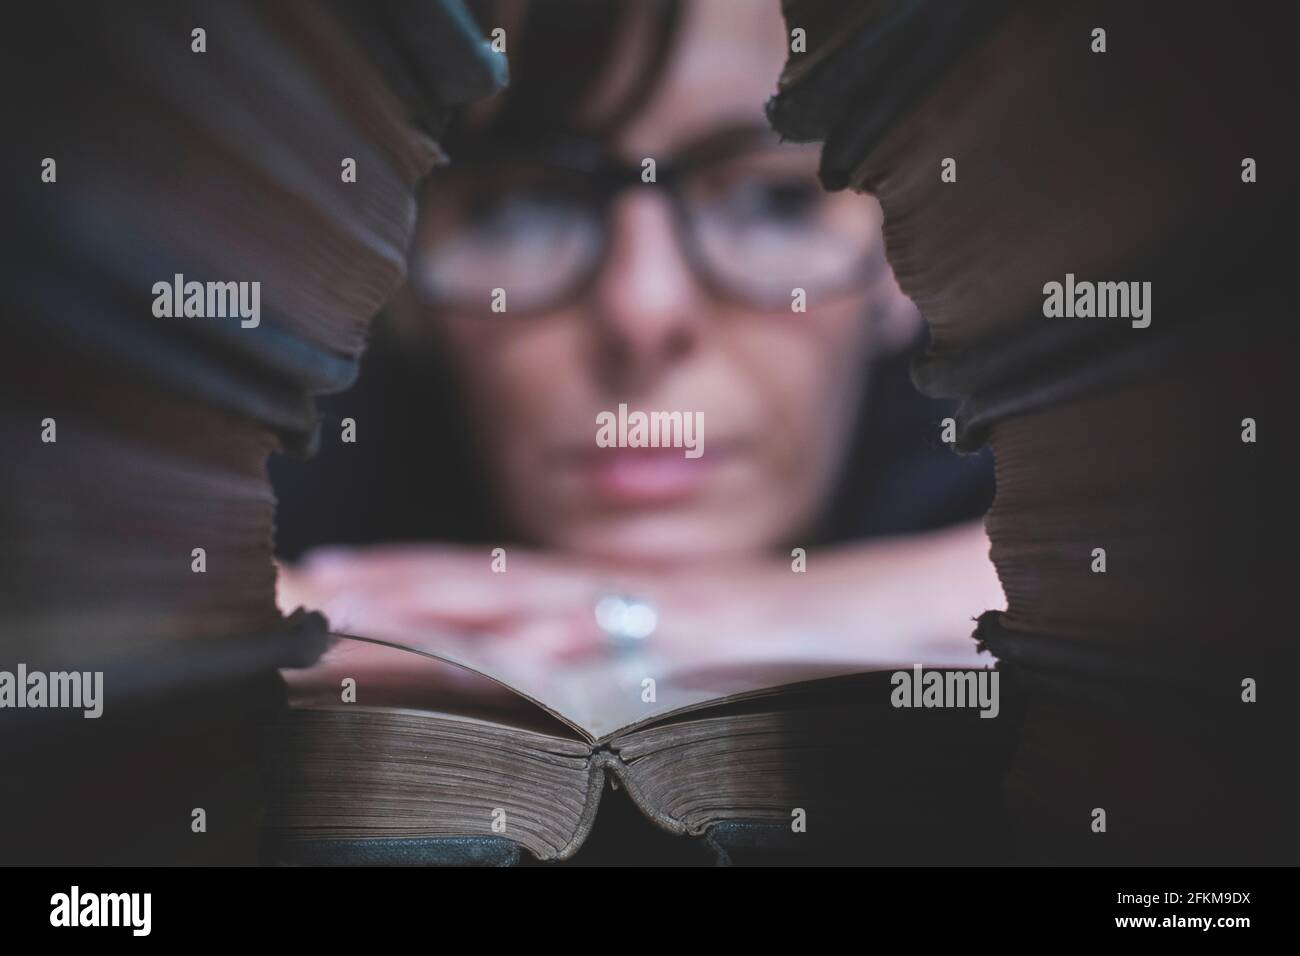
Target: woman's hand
901 601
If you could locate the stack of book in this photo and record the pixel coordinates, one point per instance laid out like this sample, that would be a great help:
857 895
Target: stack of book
1082 198
206 206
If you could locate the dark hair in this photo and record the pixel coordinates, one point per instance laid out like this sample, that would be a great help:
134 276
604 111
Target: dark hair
555 49
396 483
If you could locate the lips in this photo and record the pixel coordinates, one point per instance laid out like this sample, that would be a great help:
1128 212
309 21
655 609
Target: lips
644 476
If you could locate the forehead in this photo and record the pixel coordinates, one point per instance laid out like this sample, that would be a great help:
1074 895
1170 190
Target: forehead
723 65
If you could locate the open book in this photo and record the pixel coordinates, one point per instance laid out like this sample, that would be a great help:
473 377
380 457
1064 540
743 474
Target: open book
444 737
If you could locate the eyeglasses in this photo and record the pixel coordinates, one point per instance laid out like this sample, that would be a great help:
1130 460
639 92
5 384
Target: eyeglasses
752 221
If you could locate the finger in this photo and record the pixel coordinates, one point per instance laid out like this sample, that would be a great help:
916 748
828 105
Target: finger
449 591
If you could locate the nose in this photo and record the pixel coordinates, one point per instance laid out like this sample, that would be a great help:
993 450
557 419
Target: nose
647 305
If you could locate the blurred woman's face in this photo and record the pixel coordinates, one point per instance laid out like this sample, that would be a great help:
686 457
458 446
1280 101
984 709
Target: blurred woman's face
705 328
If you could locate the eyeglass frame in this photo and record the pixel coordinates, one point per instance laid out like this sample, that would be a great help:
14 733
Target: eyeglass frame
604 176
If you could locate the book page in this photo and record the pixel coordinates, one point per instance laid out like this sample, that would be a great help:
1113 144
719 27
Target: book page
600 696
362 673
